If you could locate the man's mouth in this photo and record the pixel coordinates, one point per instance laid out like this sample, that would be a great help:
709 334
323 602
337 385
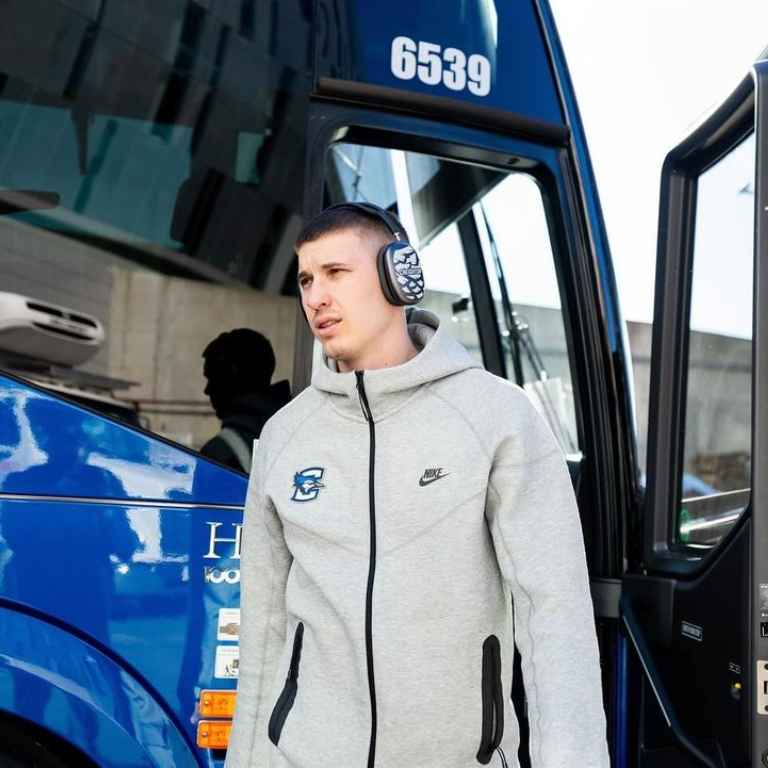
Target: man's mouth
326 325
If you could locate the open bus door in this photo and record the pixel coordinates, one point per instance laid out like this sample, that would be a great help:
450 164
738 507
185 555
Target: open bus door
696 611
492 214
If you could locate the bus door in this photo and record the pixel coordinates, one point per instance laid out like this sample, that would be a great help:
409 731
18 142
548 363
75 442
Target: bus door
489 214
695 611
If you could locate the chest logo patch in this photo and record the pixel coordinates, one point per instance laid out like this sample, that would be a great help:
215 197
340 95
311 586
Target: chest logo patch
307 485
431 475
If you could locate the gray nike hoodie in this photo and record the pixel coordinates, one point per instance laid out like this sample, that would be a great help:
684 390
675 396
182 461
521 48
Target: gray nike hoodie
404 527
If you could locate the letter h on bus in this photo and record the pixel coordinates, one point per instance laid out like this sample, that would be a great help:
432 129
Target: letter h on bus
215 540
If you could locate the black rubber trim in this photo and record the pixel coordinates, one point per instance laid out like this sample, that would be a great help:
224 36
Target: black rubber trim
441 107
371 567
288 694
492 729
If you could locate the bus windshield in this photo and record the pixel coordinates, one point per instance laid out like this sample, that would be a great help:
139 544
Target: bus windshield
150 191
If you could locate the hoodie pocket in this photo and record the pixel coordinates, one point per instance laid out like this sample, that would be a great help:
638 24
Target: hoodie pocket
493 700
288 694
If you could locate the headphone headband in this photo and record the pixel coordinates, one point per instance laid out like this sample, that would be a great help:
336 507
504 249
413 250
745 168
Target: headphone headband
375 211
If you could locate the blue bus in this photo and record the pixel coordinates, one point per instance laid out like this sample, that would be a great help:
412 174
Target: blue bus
156 163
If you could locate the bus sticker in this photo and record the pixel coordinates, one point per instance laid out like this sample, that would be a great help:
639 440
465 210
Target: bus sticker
227 663
228 629
434 65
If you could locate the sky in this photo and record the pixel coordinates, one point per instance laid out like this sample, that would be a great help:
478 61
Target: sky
645 73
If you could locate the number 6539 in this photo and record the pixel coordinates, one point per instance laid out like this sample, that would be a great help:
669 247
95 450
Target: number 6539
433 65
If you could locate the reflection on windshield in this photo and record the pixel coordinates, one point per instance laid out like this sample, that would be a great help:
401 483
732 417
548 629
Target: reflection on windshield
105 190
140 160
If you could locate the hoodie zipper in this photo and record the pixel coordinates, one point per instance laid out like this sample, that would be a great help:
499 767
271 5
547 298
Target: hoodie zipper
371 565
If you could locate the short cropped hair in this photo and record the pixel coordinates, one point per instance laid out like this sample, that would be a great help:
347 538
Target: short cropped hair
338 219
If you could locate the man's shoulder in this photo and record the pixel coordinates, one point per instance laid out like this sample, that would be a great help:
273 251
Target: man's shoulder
493 407
473 387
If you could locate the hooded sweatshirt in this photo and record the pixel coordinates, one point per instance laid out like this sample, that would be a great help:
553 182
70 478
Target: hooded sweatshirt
404 527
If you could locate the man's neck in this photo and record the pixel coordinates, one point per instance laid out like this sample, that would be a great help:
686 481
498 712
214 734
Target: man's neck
387 354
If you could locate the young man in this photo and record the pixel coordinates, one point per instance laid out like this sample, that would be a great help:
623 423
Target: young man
394 508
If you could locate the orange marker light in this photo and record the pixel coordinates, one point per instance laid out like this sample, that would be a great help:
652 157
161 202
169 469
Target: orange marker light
213 734
217 703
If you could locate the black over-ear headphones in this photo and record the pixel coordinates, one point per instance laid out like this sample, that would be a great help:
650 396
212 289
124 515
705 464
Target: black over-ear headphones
398 263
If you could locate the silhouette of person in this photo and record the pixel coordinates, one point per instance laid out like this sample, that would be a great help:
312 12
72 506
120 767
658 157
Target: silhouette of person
238 366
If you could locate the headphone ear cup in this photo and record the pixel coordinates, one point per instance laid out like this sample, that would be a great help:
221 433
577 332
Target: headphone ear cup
400 274
382 265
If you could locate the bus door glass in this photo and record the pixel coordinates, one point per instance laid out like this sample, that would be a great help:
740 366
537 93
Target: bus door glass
686 607
468 221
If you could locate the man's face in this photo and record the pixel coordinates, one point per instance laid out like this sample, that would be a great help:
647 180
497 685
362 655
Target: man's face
341 294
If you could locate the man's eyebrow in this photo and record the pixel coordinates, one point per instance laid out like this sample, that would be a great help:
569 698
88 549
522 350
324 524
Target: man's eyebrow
327 265
332 264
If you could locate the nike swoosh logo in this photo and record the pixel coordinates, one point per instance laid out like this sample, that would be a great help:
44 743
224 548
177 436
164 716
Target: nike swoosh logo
423 482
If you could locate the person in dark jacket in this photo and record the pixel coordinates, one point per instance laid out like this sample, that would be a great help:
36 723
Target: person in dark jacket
238 366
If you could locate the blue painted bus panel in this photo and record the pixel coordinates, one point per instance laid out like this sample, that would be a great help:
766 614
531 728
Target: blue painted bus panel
81 546
358 45
59 681
50 447
143 583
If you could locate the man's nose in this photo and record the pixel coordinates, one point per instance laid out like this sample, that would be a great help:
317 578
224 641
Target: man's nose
317 296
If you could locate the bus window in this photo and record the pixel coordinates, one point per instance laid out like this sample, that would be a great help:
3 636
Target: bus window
513 227
448 293
715 484
148 202
433 196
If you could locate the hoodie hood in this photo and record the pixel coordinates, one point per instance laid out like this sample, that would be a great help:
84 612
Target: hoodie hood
387 389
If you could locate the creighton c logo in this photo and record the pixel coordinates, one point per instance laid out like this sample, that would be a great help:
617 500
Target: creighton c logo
306 484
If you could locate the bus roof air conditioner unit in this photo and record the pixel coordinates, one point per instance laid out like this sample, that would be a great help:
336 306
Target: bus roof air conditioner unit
47 332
